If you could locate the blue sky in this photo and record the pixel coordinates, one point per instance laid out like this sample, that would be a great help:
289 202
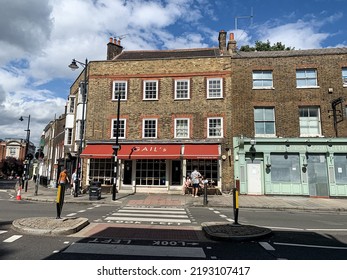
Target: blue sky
38 39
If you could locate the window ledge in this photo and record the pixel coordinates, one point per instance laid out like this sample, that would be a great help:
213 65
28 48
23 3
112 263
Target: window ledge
314 87
262 88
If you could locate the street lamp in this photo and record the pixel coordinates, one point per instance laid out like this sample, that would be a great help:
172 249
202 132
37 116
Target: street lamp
27 158
116 148
74 66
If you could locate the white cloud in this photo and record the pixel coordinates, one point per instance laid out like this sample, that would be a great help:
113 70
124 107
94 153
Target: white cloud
38 39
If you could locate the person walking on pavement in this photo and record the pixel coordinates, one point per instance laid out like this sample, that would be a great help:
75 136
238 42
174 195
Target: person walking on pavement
63 178
73 182
196 181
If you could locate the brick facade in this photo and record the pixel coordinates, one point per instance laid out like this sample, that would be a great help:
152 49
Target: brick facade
236 107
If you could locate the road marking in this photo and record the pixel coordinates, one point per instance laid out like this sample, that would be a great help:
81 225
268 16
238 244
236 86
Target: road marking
118 218
150 214
150 211
267 246
12 238
71 214
310 246
136 250
3 231
81 211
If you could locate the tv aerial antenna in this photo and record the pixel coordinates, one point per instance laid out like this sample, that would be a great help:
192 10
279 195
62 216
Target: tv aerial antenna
243 17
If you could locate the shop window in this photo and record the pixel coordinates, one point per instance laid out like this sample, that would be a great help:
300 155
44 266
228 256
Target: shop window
340 165
207 167
150 172
285 168
101 170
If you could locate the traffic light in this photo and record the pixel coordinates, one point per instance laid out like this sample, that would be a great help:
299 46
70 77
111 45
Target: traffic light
30 156
39 154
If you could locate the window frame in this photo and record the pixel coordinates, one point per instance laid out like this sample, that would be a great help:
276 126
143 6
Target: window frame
124 129
68 136
144 128
188 128
306 78
144 96
318 122
188 89
124 93
209 89
264 121
262 79
210 128
344 76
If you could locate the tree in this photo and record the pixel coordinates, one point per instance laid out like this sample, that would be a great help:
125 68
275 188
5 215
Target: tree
11 166
265 46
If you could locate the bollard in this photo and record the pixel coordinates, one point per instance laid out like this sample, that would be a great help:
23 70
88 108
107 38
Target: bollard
60 199
205 195
236 190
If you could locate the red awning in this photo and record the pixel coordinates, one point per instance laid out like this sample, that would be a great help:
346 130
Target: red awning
133 151
201 151
97 151
149 151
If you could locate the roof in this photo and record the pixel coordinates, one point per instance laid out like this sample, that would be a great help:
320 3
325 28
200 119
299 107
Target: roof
323 51
168 54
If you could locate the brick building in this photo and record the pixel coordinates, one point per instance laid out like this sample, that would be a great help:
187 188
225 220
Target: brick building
285 139
232 114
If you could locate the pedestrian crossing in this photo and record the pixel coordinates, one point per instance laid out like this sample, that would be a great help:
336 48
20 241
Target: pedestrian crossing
10 239
151 215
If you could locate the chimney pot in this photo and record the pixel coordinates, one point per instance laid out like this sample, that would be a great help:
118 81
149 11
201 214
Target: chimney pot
231 36
111 40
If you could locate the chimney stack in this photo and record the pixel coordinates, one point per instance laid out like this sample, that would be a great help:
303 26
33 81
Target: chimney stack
113 48
231 44
222 38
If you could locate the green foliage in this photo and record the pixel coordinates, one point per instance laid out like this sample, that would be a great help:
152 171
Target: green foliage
11 166
265 46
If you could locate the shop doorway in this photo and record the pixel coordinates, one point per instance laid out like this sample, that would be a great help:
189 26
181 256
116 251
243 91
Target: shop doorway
317 175
254 178
128 164
176 173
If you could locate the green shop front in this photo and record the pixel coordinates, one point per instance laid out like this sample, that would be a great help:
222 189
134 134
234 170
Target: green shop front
315 167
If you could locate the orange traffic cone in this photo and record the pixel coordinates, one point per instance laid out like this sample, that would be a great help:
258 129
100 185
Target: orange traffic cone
19 196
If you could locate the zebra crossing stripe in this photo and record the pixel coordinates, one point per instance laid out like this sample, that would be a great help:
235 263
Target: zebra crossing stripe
117 218
139 214
12 238
2 231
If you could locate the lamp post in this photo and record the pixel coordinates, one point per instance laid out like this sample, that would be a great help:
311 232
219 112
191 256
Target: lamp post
74 66
27 157
116 148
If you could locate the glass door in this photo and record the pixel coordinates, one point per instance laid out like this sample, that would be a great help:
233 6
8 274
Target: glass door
317 175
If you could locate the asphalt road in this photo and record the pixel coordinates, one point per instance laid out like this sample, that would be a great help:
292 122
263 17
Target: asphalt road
124 233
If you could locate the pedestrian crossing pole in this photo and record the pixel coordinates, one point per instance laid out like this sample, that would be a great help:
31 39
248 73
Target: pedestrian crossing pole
236 191
116 148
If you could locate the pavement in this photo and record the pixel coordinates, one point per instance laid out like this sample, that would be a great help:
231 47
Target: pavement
213 230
